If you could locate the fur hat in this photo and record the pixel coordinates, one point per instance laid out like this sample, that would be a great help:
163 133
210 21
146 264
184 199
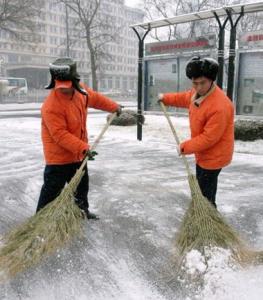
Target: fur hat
198 67
65 69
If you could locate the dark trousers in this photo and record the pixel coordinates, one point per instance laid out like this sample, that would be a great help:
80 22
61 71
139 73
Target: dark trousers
207 180
55 178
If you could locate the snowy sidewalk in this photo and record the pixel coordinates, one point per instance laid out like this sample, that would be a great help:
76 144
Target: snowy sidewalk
140 190
21 110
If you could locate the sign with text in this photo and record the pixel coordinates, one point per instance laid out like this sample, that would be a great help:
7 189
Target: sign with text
251 39
169 47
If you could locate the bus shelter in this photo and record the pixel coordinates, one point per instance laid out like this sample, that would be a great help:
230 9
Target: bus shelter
249 79
223 15
165 62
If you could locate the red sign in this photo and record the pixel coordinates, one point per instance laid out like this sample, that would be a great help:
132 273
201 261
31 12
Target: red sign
180 45
251 39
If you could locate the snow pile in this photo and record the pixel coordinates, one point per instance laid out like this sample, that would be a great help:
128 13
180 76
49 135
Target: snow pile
213 276
229 284
219 266
195 262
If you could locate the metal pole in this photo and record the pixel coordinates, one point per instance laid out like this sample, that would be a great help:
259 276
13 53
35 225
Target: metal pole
232 52
221 46
140 82
220 55
178 75
146 85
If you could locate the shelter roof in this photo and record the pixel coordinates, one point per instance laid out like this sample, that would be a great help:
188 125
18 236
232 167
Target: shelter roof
202 15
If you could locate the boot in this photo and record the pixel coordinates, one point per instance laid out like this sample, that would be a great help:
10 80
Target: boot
85 210
89 215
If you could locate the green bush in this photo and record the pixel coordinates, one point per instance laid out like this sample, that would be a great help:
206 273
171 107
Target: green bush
127 118
248 130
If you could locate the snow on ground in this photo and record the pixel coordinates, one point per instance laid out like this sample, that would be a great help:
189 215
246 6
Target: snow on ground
140 190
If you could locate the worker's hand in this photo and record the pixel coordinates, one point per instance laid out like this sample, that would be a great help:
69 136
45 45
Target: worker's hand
178 149
160 98
91 154
119 110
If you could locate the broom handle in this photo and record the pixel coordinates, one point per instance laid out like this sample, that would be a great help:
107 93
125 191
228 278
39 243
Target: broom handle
104 129
175 136
74 182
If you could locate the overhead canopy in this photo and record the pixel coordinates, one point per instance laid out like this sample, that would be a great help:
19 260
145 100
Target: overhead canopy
202 15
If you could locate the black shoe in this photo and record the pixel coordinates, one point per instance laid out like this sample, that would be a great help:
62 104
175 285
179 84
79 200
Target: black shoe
92 216
89 215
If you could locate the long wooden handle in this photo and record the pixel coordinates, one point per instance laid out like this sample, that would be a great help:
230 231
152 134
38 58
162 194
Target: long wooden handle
74 182
170 123
175 136
96 142
103 131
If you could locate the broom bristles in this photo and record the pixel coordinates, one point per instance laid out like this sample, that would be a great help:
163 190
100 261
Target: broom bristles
42 234
203 226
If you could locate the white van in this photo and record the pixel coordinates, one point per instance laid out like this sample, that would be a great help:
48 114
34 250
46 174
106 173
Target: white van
13 86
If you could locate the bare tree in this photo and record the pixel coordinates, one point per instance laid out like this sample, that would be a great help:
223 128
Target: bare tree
17 17
163 9
96 28
168 8
250 22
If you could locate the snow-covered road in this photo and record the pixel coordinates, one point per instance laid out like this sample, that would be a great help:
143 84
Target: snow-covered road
141 192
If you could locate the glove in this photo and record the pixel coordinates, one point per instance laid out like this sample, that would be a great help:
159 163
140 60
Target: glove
160 98
91 154
119 110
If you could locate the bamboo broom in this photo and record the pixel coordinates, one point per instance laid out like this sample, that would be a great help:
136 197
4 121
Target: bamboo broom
203 226
48 230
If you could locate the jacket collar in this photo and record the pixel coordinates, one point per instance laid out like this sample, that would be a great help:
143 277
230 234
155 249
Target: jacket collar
63 96
197 99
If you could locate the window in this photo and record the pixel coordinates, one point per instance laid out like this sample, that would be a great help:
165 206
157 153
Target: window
248 82
257 96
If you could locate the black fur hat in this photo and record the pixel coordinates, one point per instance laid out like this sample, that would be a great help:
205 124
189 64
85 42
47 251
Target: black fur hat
65 69
198 67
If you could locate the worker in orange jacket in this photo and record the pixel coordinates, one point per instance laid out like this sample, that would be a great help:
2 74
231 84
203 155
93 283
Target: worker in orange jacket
64 132
211 115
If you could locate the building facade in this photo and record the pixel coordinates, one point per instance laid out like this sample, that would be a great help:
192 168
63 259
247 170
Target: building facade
55 38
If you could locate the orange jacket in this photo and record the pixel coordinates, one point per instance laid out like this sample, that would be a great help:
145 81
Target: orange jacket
211 124
64 132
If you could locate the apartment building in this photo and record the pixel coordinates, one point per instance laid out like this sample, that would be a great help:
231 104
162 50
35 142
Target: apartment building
56 38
